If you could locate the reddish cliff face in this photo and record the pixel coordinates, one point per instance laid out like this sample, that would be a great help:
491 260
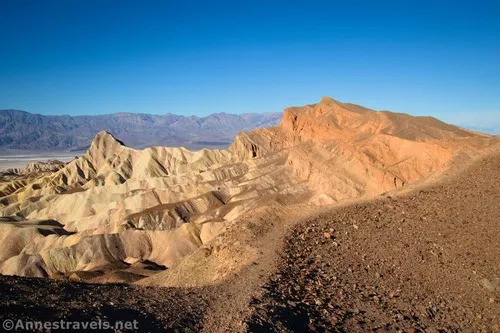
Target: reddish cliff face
331 120
344 150
123 205
326 121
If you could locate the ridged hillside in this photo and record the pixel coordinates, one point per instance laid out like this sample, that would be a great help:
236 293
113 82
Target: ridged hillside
119 209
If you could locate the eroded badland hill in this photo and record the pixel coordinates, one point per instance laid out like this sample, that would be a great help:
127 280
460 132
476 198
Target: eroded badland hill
314 211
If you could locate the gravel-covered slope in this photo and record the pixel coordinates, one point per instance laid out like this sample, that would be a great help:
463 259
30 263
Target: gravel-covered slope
425 261
154 309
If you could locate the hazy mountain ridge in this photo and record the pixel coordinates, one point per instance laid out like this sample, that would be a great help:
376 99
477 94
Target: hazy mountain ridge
24 130
115 209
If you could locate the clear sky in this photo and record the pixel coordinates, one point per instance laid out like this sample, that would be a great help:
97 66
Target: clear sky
439 58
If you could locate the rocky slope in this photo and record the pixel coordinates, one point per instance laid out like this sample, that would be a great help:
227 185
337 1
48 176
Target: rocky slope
121 214
417 259
146 309
23 130
426 260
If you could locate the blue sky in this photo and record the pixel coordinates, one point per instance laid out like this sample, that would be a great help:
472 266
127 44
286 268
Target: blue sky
437 58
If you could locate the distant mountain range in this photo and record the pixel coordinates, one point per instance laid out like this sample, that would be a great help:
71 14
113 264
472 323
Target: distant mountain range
24 130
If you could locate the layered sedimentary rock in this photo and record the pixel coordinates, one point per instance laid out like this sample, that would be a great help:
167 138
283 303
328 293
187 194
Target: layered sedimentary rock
345 151
118 209
116 206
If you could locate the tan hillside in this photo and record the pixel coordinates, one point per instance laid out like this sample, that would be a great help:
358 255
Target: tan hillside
116 207
417 259
345 151
113 212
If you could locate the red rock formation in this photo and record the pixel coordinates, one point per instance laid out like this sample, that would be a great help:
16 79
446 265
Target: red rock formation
344 150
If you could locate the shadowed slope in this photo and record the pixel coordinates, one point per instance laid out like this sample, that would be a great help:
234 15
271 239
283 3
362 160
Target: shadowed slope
426 260
421 258
124 207
128 206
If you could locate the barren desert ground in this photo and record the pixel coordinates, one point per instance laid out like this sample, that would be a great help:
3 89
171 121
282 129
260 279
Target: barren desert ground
300 228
